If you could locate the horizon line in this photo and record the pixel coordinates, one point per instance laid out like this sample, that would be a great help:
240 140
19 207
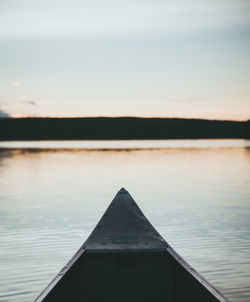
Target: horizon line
124 116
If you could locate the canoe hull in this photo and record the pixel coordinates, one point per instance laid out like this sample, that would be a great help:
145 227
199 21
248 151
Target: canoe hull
126 259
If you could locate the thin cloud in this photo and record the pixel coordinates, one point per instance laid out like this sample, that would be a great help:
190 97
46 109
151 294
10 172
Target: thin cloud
31 103
190 100
16 83
25 99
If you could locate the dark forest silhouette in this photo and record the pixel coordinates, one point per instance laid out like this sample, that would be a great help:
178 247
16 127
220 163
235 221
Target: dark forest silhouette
119 128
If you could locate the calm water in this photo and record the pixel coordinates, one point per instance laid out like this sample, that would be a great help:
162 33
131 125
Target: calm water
196 193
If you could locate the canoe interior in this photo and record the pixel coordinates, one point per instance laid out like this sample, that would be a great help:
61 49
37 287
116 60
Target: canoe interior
128 276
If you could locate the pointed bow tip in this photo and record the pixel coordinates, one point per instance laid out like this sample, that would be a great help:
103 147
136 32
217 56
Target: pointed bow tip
122 191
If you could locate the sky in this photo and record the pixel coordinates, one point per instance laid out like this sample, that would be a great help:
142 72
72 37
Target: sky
185 58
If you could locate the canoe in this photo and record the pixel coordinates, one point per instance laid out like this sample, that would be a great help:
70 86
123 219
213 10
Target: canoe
126 260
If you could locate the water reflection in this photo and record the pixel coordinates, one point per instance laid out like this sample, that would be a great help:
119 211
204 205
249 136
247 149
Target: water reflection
197 196
126 144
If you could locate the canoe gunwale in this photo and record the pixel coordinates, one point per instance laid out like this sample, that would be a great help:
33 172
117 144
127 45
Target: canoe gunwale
60 275
196 275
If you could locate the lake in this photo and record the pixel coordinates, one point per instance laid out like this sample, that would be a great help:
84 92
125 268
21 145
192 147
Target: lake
195 192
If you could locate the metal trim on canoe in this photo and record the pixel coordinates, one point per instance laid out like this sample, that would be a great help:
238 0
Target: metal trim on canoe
123 227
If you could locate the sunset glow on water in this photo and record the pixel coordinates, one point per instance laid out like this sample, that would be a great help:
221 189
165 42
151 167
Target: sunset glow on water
195 193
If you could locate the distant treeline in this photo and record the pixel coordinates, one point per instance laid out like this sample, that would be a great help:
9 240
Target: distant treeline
119 128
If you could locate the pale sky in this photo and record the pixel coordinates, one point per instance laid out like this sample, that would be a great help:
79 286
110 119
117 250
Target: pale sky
182 58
